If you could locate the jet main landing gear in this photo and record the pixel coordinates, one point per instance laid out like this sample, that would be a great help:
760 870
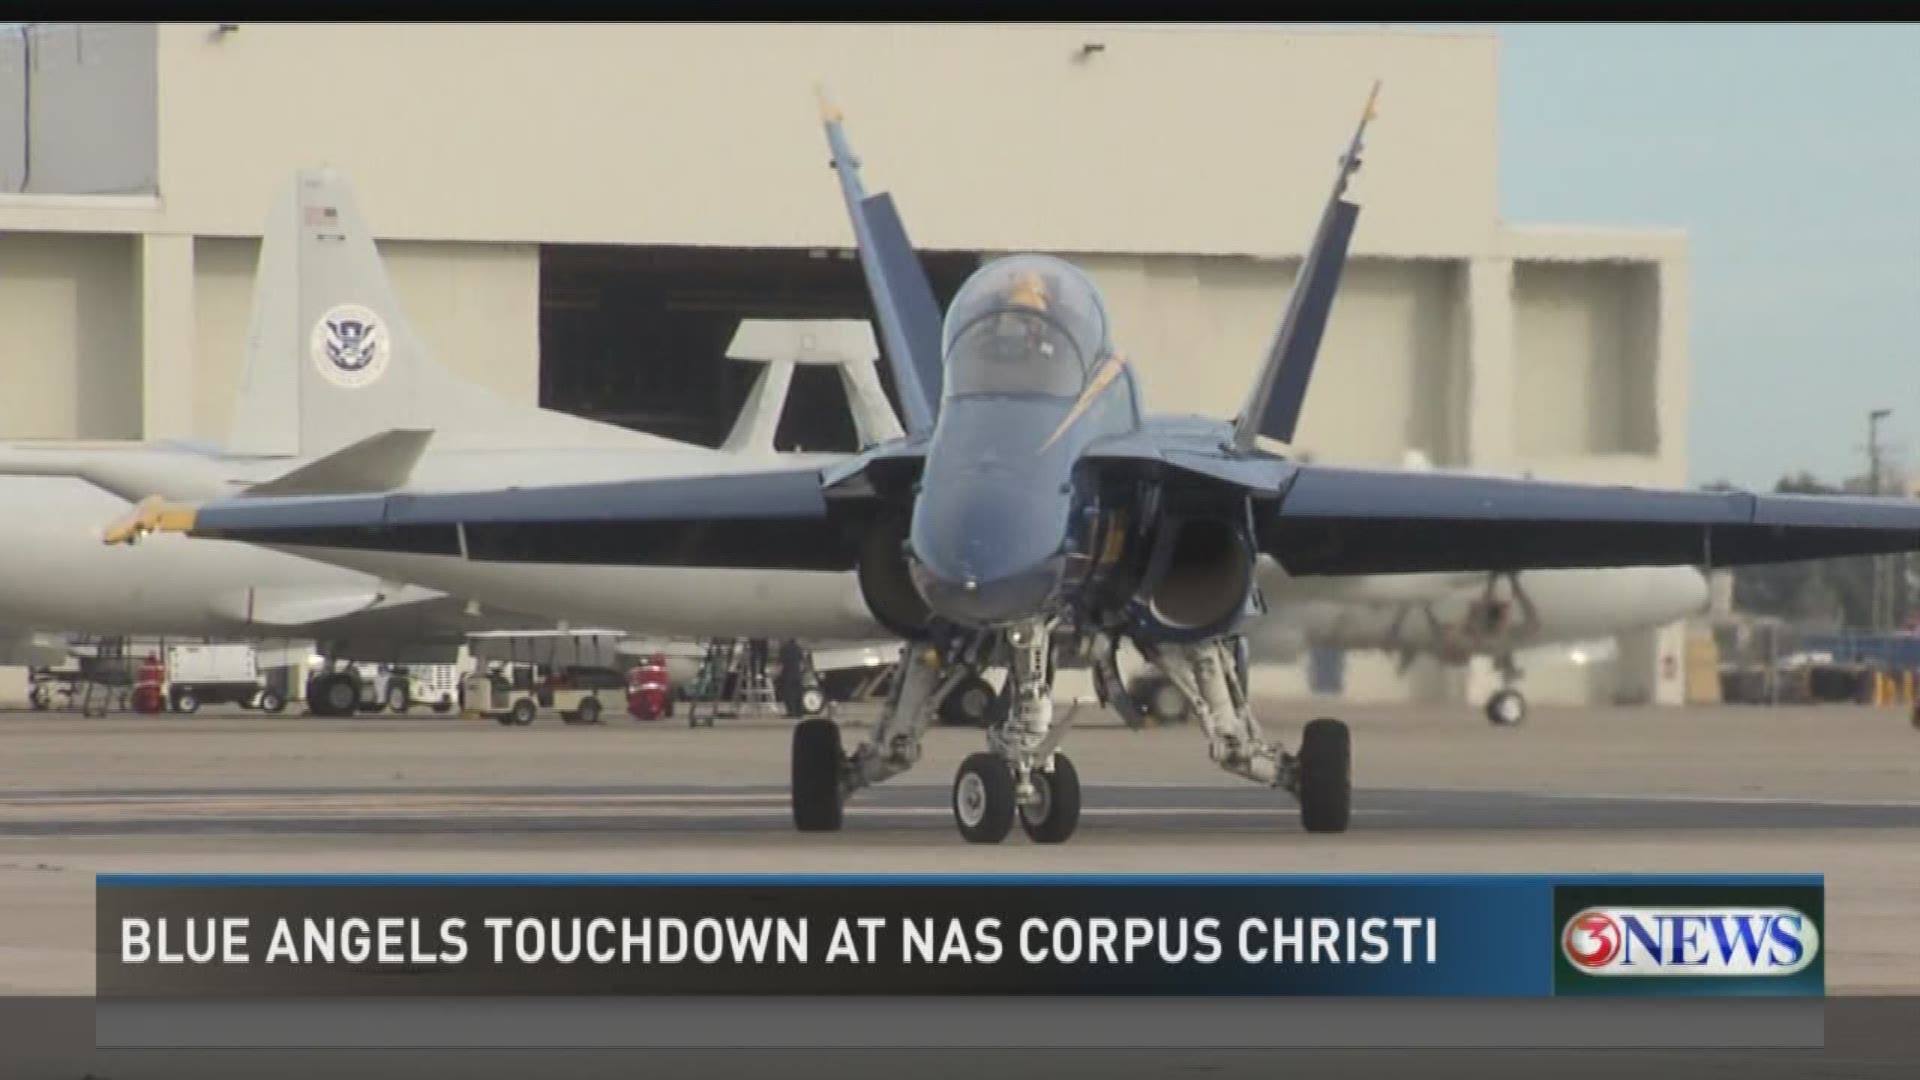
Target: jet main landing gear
1319 776
1507 706
1022 776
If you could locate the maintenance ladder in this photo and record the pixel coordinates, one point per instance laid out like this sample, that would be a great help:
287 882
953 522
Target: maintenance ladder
728 685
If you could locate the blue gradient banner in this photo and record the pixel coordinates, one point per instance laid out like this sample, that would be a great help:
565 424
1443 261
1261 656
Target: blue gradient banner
1467 936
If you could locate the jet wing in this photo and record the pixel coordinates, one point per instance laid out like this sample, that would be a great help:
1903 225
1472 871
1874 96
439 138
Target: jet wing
1343 521
774 520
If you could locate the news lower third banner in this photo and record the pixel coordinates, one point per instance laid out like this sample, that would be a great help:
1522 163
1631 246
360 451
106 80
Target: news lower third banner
1103 943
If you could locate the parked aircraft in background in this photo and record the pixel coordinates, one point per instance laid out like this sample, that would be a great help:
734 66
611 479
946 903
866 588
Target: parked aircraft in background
336 396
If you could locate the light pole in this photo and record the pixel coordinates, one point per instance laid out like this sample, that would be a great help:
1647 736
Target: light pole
1881 613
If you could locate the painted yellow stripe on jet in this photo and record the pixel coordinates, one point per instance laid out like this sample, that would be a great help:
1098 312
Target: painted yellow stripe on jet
152 515
1108 372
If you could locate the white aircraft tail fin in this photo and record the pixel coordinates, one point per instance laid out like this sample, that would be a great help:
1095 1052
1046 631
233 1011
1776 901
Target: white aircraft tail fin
332 359
847 344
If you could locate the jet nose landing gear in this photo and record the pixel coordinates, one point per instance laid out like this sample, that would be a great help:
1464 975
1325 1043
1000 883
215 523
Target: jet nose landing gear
986 800
983 799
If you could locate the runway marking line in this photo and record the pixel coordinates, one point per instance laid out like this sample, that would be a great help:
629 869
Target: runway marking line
1737 800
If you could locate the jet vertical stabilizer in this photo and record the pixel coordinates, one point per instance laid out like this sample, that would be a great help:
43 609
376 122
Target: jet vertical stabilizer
903 300
1273 405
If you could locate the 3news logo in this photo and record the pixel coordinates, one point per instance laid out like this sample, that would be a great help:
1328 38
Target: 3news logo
1717 940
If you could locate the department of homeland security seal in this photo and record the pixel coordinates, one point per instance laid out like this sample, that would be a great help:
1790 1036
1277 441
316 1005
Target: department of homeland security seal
350 346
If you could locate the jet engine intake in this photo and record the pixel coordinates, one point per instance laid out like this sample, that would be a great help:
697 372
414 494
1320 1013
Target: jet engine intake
886 584
1199 579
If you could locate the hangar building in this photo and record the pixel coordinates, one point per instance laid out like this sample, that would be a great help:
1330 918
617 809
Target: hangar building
579 213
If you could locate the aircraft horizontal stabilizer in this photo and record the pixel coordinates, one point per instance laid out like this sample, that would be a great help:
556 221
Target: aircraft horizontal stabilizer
292 608
377 463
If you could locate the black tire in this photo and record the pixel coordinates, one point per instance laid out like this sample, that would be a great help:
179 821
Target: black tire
333 694
399 697
983 804
589 711
817 804
969 704
524 711
1326 776
38 698
185 702
813 701
1165 702
270 701
444 705
1507 708
1058 815
316 701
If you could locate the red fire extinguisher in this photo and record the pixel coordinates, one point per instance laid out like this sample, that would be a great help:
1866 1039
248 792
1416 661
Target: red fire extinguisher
649 696
148 686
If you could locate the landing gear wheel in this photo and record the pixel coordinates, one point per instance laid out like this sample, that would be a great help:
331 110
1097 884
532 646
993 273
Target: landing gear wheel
1165 703
589 711
270 701
334 695
1506 708
983 803
816 776
969 704
398 698
1054 813
524 712
1325 777
813 701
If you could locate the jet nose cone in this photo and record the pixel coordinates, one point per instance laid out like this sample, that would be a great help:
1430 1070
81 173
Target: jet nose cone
962 597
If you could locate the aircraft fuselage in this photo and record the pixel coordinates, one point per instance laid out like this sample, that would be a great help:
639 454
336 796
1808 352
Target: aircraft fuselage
1008 510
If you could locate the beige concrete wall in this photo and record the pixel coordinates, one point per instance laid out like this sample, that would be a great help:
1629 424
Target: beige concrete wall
1583 363
70 308
222 295
1197 330
476 305
993 136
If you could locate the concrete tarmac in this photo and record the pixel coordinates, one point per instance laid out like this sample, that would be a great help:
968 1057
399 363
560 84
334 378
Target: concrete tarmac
1824 790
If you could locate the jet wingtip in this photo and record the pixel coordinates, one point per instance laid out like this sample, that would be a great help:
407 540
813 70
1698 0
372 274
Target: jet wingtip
154 514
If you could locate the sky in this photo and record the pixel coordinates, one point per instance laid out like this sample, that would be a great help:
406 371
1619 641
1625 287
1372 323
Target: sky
1791 156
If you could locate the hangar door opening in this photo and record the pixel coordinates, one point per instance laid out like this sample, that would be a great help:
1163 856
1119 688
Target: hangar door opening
638 336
